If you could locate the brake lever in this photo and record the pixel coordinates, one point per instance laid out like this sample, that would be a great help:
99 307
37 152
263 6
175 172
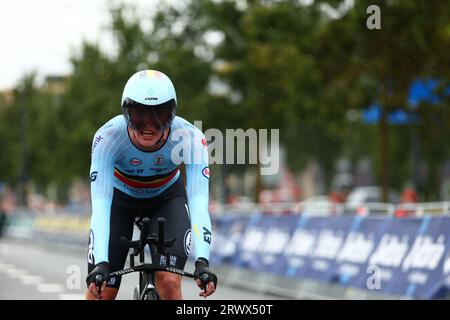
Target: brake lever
129 243
99 282
204 278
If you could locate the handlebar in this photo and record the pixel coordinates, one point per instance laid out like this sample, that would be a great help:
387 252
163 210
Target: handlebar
129 243
148 239
151 268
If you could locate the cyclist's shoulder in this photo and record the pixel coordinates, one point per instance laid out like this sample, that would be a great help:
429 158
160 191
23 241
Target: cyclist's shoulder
187 127
110 135
114 127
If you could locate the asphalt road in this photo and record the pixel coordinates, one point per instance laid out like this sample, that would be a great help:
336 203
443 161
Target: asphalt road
33 271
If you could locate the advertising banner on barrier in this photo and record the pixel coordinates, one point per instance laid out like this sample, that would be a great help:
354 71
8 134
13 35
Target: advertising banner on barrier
405 257
264 242
228 232
328 238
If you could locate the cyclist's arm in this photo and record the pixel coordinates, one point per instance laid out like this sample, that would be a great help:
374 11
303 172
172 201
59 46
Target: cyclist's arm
102 178
197 174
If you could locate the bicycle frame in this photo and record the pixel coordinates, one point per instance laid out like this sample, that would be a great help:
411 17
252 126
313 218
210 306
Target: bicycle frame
146 289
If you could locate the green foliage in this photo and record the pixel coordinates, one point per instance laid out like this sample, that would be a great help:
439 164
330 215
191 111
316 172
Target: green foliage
284 65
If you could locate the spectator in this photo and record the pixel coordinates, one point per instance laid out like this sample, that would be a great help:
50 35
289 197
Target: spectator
408 196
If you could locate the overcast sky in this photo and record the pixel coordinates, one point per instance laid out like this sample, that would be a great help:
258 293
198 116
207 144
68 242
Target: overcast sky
41 35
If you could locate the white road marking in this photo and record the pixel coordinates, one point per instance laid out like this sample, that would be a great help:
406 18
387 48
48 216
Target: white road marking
28 279
31 280
50 288
4 267
5 249
71 296
16 273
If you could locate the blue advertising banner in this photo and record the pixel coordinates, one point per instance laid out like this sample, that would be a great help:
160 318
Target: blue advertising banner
227 233
407 257
331 247
392 238
422 271
361 242
262 245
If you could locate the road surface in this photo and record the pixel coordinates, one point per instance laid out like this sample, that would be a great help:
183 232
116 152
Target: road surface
33 271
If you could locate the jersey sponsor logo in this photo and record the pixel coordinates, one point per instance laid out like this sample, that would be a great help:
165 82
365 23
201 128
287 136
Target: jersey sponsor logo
158 160
135 162
96 142
91 247
204 142
187 241
163 261
206 235
141 192
94 176
205 172
173 260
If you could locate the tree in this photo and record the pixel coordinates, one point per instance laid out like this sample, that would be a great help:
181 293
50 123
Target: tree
380 65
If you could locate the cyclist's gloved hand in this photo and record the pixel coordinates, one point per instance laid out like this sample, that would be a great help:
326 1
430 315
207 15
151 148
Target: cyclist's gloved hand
204 277
97 279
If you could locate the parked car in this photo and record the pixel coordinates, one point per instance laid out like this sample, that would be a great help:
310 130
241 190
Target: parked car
368 200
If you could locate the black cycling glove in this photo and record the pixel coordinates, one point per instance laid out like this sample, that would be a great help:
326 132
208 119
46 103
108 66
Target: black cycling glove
101 269
203 273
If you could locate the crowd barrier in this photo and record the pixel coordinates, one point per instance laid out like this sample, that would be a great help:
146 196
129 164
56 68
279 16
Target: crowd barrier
399 258
407 257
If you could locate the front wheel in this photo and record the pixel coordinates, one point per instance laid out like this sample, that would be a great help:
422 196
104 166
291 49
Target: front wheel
150 294
136 295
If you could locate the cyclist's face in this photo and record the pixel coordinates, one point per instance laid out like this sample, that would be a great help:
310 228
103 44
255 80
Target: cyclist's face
148 124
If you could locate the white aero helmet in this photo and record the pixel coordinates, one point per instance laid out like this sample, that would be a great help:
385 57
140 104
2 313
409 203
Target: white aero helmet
150 90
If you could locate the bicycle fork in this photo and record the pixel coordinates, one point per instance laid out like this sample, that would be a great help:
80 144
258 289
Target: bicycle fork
147 289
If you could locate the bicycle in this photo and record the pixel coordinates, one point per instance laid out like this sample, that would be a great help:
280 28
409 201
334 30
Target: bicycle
146 289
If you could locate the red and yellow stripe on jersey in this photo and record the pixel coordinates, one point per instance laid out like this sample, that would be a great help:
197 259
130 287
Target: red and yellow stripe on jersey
145 182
